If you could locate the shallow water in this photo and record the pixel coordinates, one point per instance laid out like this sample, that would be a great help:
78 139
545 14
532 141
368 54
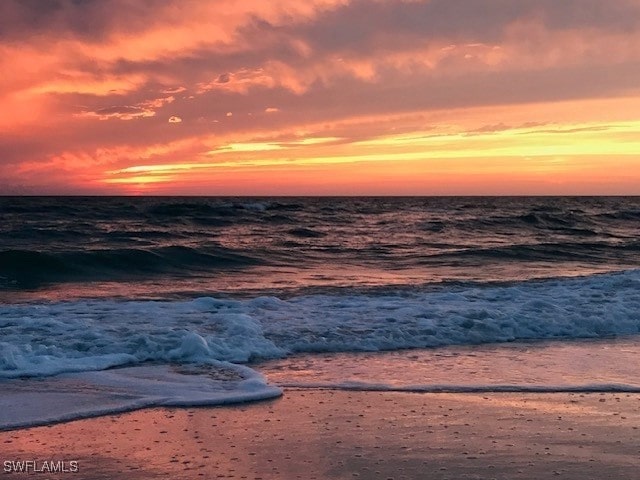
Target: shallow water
604 365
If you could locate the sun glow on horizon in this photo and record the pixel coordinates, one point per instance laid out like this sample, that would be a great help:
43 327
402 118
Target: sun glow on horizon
566 150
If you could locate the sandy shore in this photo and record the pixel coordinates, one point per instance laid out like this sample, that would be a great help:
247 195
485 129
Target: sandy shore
316 434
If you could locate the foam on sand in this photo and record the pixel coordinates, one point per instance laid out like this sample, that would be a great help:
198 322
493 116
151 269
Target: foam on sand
78 395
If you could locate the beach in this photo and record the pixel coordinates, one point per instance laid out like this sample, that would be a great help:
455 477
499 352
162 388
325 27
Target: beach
324 434
318 240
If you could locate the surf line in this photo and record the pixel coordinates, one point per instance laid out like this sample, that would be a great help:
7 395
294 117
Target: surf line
365 387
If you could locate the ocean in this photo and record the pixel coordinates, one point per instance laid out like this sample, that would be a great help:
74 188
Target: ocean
114 303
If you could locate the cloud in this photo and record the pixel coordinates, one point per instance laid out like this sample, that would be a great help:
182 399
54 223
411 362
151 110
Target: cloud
502 127
338 68
223 78
121 112
365 24
174 90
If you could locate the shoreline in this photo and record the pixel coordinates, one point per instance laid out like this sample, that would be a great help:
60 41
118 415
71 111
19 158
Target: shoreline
351 434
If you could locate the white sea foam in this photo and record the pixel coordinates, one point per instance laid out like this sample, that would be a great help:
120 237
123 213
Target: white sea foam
87 394
46 339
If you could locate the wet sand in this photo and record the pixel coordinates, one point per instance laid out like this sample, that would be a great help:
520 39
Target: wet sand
325 434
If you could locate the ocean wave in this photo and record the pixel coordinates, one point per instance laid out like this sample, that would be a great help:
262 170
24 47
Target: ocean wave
625 215
182 209
535 221
582 251
32 267
46 339
219 207
306 233
49 240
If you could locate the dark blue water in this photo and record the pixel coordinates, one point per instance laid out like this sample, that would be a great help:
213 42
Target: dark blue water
175 246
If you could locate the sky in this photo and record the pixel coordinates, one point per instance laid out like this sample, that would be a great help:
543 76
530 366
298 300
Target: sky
320 97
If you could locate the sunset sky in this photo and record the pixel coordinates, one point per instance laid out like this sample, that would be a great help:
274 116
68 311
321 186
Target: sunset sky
320 97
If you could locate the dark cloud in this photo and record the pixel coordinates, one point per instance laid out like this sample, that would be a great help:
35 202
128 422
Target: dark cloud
90 20
618 15
223 78
119 110
16 149
123 112
601 128
358 25
373 29
365 25
497 127
10 188
501 127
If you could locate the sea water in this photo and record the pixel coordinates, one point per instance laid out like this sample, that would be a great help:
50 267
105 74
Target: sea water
111 304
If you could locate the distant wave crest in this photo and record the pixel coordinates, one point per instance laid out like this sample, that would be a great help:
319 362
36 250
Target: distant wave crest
27 267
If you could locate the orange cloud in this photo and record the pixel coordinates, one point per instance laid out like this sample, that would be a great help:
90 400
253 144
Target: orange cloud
462 89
